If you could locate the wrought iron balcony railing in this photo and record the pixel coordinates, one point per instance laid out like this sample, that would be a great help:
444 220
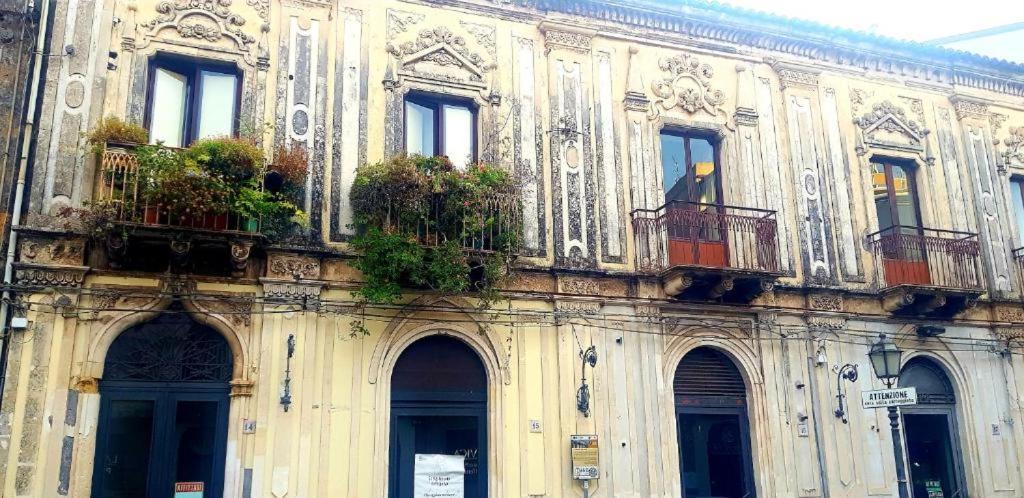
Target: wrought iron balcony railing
484 227
927 257
119 187
691 234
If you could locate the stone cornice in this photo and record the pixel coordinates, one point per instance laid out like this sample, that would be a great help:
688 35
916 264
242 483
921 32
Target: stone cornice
806 40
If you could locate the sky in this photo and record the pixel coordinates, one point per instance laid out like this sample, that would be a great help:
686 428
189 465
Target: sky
918 20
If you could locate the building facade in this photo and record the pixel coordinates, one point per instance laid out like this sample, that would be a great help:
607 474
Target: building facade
720 211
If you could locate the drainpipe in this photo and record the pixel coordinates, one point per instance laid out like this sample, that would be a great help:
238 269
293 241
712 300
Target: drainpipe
812 386
27 139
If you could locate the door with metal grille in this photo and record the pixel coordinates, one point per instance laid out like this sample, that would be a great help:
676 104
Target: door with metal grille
163 411
711 422
930 432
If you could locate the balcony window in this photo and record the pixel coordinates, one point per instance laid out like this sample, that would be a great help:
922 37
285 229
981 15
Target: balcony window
190 100
1017 193
441 127
690 167
895 197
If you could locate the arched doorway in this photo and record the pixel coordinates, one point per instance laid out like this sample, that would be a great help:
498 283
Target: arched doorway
164 410
930 430
712 429
438 406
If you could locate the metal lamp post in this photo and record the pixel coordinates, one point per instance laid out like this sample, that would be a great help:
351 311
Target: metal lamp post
885 360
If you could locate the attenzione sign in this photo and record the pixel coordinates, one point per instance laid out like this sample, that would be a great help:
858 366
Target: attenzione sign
884 398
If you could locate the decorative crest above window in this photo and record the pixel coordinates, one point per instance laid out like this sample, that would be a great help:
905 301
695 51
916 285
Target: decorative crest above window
440 54
1013 147
887 126
686 85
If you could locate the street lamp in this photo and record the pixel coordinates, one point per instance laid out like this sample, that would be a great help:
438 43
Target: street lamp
885 360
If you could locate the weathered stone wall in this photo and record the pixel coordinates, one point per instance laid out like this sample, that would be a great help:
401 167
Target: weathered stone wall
573 104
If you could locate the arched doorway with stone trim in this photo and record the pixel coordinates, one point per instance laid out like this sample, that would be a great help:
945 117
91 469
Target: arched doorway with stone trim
163 415
930 431
712 428
439 396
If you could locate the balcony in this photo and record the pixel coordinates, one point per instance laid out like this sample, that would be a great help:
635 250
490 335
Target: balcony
158 235
708 251
926 272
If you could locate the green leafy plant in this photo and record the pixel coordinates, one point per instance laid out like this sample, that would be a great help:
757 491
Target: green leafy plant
421 223
232 159
95 219
113 129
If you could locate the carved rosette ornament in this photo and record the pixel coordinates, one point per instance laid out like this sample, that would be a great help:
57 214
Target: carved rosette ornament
294 267
686 85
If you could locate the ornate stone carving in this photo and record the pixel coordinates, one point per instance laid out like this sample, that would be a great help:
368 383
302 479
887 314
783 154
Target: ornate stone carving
826 322
826 302
87 385
1013 315
206 20
237 309
969 108
996 121
65 251
795 76
307 295
434 52
579 286
578 307
578 41
687 85
240 251
484 35
177 286
1013 150
399 22
49 275
888 126
293 266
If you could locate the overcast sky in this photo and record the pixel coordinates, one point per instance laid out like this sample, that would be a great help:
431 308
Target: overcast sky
906 19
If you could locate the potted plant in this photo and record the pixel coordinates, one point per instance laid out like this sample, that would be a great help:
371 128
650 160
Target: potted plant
112 130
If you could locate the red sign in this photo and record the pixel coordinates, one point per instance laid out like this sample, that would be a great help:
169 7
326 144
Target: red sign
180 487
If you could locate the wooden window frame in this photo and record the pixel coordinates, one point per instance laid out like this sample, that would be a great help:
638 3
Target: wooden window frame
436 103
691 170
890 187
192 69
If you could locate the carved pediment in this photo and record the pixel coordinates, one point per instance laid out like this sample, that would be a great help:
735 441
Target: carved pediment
887 125
206 20
440 54
687 85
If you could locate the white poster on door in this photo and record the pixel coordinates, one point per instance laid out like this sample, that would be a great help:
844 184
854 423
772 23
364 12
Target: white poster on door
439 476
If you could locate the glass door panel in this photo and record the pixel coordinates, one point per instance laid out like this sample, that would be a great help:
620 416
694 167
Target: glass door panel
123 469
930 455
193 442
442 435
713 456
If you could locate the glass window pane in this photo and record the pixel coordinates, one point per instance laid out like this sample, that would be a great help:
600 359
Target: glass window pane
128 435
1017 191
217 111
702 153
881 193
458 135
903 189
167 116
673 166
419 129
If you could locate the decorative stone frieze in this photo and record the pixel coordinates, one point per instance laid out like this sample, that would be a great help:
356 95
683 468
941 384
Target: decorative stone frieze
567 38
578 307
825 302
293 266
1013 147
45 250
826 322
966 107
1012 315
888 126
795 75
306 294
49 275
579 286
235 308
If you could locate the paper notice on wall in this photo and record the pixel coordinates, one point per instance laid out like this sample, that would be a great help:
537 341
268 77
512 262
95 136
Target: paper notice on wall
439 476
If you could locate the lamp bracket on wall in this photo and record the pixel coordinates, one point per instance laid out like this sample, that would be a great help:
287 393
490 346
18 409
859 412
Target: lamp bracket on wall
848 372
